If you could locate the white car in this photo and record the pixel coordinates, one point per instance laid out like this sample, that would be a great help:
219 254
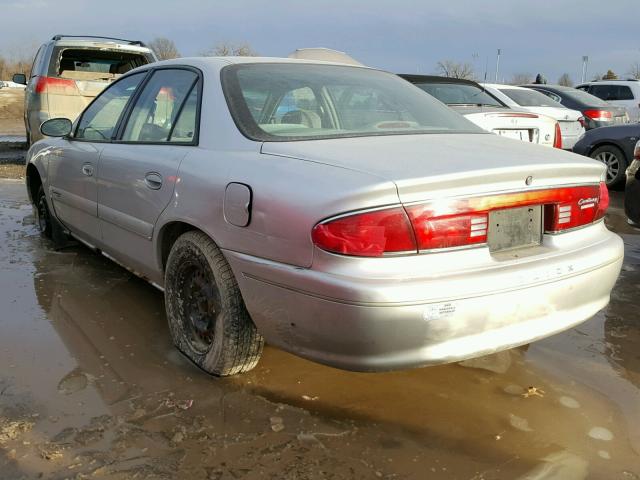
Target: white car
486 111
624 93
571 121
9 84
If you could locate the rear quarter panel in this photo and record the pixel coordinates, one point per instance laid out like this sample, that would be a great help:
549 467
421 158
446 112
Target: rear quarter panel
289 196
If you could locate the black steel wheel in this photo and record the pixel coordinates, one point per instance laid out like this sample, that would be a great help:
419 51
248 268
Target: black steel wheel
207 317
43 216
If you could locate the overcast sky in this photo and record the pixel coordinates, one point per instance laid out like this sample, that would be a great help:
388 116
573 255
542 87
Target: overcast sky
398 35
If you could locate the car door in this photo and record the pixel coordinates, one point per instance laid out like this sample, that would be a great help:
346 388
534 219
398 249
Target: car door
138 172
73 164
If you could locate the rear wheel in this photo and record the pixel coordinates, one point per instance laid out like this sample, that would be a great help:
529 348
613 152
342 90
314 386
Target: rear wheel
614 160
207 317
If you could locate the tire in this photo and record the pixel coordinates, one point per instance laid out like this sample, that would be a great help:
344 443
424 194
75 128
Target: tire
207 317
44 220
615 162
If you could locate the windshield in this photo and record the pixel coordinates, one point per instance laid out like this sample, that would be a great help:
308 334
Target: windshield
529 98
460 94
282 102
584 97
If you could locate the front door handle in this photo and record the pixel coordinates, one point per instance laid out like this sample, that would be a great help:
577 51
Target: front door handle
87 169
153 180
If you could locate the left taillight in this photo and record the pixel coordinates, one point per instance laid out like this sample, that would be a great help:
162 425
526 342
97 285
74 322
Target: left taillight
453 223
367 234
557 141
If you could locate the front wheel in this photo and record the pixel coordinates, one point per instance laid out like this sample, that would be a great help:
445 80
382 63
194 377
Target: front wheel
43 216
614 160
207 317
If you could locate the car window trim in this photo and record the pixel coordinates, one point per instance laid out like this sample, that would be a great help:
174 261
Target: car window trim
117 139
143 82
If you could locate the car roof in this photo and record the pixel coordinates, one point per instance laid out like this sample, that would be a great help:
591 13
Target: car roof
222 61
560 88
413 78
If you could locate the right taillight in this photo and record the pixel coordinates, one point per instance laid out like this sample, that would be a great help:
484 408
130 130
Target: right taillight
599 115
557 140
453 223
636 151
57 86
576 207
582 121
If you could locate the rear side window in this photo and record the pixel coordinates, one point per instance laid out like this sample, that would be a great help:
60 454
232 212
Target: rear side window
167 95
100 119
93 64
611 92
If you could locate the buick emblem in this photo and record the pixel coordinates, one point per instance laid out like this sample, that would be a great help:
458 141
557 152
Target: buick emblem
528 180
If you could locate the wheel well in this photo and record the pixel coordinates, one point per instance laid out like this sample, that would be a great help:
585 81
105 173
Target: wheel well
168 236
609 144
33 181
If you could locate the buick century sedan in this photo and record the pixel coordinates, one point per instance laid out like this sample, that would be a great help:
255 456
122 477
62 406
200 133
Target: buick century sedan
337 212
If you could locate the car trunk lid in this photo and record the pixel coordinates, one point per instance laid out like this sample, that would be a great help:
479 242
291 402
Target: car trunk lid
430 166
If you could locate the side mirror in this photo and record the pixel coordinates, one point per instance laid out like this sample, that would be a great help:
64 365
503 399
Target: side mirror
56 127
20 78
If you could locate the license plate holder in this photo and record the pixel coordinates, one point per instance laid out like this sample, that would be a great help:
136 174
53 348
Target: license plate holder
515 134
512 228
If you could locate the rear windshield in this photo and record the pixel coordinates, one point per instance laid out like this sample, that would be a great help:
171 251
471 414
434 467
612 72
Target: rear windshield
584 97
460 94
283 102
529 98
92 64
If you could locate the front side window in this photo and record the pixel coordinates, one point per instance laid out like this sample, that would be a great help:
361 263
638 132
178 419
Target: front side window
99 120
284 102
529 98
157 108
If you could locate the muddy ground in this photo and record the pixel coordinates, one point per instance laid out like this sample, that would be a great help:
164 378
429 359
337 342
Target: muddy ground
11 111
91 387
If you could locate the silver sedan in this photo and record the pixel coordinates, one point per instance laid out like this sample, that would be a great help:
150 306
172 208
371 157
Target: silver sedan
335 211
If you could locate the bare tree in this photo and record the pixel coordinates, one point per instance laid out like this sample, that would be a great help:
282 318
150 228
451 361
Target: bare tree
164 48
449 68
597 76
610 75
226 49
522 78
565 80
634 70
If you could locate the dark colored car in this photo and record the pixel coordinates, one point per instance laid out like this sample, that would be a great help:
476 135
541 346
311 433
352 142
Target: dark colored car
613 146
597 112
632 192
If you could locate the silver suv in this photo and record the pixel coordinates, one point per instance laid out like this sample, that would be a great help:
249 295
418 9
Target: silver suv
69 71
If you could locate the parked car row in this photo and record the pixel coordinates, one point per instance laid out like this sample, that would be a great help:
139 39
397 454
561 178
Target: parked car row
332 210
488 112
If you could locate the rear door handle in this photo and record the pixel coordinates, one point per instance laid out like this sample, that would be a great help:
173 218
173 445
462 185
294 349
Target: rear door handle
87 169
153 180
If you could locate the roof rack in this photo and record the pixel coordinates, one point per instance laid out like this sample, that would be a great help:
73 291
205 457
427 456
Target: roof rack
130 42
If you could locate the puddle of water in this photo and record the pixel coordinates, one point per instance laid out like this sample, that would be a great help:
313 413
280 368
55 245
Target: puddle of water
88 361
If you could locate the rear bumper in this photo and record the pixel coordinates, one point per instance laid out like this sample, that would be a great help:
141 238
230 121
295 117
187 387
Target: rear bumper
369 321
372 324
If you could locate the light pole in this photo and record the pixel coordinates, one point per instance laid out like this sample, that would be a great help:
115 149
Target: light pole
585 61
498 63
